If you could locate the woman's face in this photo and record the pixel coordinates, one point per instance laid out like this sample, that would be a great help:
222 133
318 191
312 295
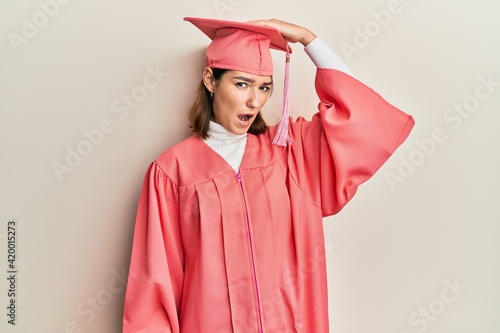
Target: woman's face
238 98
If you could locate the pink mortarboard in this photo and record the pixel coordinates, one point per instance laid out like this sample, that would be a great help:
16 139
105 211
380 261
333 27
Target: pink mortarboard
246 47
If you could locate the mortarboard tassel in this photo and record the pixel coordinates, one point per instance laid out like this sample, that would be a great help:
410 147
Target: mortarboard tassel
282 138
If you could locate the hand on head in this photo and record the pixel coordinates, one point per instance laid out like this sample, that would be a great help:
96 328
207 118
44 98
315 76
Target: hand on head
291 32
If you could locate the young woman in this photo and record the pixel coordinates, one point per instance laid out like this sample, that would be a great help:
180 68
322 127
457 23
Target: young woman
229 234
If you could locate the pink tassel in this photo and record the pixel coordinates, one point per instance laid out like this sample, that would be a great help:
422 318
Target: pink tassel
282 138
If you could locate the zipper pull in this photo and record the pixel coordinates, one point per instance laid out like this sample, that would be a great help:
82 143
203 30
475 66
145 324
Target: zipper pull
239 177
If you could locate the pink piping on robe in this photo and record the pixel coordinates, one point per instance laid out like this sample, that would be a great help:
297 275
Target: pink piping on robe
191 268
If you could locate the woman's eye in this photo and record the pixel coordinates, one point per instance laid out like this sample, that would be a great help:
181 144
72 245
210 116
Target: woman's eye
265 88
241 85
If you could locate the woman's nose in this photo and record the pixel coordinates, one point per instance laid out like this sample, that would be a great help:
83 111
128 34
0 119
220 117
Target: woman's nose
253 99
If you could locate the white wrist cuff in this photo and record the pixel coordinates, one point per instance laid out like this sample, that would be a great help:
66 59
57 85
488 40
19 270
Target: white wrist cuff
324 57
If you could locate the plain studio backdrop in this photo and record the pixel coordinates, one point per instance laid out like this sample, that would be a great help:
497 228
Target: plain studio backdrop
92 91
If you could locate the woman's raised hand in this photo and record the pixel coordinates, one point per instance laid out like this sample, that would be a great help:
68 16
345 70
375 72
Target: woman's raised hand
291 32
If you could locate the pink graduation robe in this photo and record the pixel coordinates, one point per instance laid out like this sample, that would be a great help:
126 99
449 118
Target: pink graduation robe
217 251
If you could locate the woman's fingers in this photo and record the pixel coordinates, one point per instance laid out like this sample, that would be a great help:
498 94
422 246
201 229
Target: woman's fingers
291 32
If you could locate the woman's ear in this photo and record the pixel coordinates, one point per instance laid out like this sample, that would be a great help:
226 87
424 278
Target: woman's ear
208 79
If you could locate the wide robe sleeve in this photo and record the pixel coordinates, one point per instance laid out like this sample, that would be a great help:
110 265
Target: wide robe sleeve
346 142
154 288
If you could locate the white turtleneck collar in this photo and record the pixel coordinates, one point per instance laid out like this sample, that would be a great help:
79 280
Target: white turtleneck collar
228 145
218 132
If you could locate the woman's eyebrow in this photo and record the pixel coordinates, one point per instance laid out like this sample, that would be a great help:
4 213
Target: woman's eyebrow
249 80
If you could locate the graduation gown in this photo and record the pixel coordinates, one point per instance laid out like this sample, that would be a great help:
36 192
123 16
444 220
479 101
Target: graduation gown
215 251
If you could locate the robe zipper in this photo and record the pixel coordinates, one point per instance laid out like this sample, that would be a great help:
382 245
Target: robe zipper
251 253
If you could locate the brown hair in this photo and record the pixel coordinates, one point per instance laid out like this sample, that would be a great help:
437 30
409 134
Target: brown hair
201 111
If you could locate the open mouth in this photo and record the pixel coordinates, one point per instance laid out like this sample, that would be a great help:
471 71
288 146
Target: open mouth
245 118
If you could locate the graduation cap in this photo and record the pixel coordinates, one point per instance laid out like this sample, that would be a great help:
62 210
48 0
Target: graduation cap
246 47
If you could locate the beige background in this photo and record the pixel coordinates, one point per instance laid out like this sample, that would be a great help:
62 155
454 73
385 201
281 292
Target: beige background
427 221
